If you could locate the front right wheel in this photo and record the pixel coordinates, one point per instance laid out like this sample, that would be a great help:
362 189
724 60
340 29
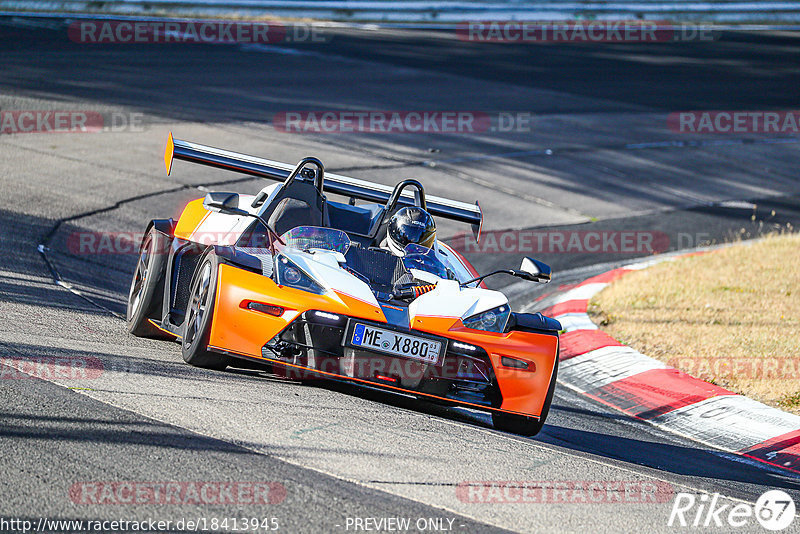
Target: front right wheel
197 325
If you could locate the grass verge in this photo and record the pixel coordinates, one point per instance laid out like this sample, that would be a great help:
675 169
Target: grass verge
730 317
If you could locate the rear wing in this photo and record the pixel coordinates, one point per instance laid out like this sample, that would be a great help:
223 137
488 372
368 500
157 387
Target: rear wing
334 183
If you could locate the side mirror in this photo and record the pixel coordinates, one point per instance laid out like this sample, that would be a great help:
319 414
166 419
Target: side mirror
531 270
222 202
534 270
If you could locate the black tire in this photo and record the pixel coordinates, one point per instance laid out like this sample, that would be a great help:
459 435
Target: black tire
199 312
527 426
147 286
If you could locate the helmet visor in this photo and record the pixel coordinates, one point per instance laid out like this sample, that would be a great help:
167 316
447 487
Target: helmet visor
412 232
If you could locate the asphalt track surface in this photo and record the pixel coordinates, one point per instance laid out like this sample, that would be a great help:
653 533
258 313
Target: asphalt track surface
599 157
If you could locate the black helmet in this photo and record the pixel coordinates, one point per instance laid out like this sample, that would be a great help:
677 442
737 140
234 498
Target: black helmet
410 225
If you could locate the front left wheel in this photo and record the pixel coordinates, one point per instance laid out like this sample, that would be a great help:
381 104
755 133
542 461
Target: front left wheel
197 325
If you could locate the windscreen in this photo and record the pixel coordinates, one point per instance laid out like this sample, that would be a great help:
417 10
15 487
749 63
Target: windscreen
307 238
425 259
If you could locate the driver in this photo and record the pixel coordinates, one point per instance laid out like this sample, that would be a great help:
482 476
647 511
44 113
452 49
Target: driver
407 226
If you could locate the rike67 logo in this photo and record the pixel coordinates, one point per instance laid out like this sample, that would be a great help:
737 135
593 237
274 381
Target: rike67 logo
774 510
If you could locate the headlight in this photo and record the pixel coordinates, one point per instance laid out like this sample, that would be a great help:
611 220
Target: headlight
493 320
289 274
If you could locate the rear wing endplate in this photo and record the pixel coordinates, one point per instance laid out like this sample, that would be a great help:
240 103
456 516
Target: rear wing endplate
334 183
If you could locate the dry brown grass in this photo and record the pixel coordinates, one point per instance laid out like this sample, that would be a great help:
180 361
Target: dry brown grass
731 317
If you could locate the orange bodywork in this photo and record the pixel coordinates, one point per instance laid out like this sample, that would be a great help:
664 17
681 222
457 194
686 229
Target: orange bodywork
190 220
238 330
245 331
169 153
523 391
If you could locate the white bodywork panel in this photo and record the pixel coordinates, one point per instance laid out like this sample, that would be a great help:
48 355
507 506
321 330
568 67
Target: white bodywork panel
446 300
330 274
449 300
225 229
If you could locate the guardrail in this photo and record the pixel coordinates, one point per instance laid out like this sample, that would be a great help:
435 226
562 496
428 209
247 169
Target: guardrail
720 11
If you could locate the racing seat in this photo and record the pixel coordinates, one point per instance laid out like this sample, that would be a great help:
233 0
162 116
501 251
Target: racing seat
299 201
301 204
297 204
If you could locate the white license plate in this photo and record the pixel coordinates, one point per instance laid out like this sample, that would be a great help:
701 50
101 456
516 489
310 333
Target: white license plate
395 343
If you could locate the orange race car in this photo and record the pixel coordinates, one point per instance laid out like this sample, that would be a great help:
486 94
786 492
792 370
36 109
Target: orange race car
362 292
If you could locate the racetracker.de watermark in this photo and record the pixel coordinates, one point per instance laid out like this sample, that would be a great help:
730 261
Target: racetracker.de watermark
563 242
69 121
772 368
193 32
50 367
86 243
786 122
565 492
74 367
597 31
493 242
402 121
173 492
